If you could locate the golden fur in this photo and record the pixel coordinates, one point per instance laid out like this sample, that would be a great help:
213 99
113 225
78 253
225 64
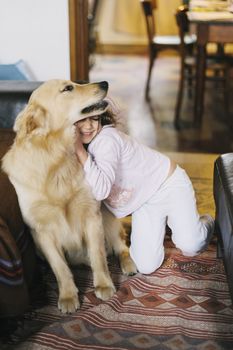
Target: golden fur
66 222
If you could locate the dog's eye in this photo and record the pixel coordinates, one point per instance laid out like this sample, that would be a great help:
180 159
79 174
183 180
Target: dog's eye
68 88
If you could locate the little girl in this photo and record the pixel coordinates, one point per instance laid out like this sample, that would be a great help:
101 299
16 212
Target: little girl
133 179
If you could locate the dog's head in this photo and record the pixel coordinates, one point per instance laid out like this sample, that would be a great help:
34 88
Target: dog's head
58 104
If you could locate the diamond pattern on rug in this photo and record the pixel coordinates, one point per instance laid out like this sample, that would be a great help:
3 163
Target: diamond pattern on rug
177 342
76 329
108 337
143 341
183 302
151 299
126 294
213 305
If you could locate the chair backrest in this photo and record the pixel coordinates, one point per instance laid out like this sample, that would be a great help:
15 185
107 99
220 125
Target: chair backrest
148 6
93 6
92 9
182 22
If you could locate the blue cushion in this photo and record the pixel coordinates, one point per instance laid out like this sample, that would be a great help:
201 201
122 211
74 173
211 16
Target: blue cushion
12 71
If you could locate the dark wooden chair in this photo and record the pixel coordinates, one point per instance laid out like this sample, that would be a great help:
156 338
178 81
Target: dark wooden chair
157 43
217 66
93 6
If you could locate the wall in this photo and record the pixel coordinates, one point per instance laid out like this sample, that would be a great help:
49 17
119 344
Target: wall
122 22
166 16
36 31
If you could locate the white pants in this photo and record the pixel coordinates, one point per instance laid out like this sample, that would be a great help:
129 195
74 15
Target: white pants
173 204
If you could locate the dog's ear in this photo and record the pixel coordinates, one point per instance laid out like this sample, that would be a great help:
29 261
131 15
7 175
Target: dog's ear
32 120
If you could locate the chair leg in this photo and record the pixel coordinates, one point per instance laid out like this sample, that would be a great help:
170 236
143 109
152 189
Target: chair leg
190 81
226 88
179 98
151 63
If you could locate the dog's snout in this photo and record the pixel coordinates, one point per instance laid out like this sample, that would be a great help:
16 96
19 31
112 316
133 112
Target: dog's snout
103 85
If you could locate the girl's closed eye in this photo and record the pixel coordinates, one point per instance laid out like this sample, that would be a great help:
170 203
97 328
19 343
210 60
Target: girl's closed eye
95 118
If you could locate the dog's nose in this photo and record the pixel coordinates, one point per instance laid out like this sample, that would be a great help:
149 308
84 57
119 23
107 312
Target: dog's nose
103 85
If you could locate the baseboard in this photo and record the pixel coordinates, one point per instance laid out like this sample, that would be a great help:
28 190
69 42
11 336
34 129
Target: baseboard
117 49
129 49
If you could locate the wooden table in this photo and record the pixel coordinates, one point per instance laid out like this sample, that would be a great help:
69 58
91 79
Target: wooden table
207 30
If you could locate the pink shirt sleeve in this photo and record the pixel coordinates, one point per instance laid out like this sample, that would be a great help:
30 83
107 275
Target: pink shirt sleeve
101 166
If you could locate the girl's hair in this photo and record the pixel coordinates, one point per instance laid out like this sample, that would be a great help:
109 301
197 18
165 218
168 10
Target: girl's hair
111 116
108 118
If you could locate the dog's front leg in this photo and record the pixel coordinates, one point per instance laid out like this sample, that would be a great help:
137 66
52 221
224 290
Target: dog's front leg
68 292
104 288
117 239
115 236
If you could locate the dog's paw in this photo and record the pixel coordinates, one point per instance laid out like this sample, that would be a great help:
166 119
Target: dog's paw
104 293
68 305
128 267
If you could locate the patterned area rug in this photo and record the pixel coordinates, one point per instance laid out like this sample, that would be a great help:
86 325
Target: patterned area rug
183 305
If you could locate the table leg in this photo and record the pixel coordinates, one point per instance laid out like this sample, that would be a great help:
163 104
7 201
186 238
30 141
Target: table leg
200 85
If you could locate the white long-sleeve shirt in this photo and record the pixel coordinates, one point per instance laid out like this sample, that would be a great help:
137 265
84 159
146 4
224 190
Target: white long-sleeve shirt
122 172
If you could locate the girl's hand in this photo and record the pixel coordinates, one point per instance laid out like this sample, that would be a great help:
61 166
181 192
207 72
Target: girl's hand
80 151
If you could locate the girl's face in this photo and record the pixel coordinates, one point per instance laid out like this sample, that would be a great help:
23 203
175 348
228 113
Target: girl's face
88 128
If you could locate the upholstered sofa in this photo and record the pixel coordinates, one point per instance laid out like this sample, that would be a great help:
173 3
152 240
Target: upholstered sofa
17 252
223 195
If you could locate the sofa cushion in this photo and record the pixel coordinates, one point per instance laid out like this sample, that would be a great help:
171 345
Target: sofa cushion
9 208
14 96
16 71
223 195
17 252
14 297
224 167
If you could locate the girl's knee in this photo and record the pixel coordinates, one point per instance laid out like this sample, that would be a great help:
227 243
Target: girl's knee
145 264
147 269
190 248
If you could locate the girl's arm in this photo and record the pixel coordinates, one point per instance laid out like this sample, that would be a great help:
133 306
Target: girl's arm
80 151
100 166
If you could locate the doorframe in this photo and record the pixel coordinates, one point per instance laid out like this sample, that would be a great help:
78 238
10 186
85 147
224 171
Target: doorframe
78 33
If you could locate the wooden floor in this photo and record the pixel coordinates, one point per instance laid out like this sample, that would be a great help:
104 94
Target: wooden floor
200 169
152 123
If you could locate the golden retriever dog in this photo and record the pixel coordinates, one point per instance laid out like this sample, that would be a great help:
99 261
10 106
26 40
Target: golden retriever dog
67 224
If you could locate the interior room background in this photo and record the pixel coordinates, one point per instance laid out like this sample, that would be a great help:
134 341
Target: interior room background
37 32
